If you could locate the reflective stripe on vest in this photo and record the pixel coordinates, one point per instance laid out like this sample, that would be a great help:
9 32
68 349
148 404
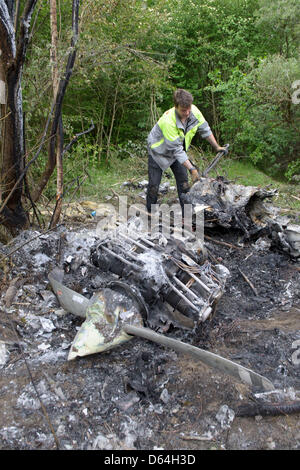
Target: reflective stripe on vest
157 144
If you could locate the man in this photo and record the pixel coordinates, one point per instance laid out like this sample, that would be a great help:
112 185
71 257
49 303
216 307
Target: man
169 141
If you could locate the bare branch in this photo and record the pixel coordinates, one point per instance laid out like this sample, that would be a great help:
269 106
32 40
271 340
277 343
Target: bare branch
76 137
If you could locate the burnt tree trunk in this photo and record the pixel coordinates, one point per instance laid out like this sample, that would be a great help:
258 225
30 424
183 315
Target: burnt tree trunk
12 57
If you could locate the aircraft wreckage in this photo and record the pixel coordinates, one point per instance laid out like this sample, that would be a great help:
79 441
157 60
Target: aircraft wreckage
244 208
161 281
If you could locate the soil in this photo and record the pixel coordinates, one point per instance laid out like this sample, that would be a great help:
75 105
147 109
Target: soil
141 395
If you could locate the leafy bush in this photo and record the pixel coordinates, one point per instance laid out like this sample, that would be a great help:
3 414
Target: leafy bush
258 114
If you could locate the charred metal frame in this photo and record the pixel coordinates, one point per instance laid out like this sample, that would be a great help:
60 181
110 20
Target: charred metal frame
191 289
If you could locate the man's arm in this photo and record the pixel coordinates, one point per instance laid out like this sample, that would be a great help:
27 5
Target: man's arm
188 165
211 139
206 133
193 171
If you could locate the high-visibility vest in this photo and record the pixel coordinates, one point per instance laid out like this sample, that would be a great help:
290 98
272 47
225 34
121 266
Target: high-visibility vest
170 131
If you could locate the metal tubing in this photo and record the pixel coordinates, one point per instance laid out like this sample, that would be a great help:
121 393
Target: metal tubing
181 284
181 295
135 266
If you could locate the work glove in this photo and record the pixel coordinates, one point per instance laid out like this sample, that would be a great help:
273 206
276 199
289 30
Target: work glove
195 175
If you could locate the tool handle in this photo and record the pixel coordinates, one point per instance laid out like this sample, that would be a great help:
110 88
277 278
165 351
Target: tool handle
215 160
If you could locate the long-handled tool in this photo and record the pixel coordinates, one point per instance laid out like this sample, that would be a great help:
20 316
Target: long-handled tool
109 324
215 161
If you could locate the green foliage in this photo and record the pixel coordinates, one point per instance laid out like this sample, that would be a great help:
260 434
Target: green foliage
239 58
258 114
293 169
131 150
117 78
279 21
206 38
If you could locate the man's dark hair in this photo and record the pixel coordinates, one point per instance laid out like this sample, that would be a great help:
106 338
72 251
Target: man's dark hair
182 98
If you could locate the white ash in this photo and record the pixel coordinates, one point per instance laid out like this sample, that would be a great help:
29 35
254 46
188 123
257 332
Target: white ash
10 433
158 409
164 187
44 346
124 404
3 353
164 396
28 403
262 244
47 324
133 429
225 416
102 443
40 259
152 268
51 357
31 321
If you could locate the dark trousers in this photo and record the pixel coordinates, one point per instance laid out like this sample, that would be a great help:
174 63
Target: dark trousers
154 178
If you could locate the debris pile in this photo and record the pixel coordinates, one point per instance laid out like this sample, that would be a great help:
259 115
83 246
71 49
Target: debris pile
245 208
141 395
232 206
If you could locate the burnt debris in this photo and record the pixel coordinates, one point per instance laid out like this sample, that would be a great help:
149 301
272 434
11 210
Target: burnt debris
247 209
141 395
177 285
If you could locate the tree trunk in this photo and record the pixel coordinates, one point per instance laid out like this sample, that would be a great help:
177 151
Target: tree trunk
17 15
62 86
13 53
59 177
13 152
60 132
112 118
3 113
54 44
